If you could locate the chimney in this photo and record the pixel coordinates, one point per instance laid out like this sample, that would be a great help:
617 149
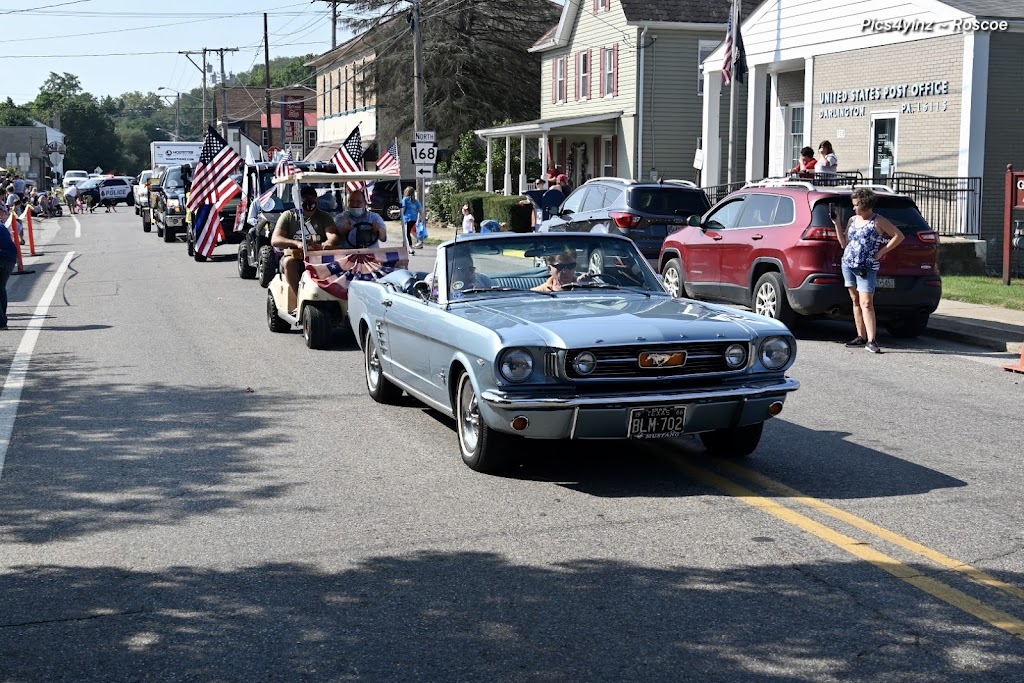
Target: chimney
56 121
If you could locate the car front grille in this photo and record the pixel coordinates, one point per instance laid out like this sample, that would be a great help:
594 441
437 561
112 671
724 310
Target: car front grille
624 361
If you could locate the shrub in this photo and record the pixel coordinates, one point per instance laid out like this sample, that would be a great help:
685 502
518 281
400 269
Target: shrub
439 202
507 210
475 199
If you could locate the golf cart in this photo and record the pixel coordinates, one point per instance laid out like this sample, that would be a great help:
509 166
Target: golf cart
322 302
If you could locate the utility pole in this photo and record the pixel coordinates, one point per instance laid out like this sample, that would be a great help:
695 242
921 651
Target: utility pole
266 80
177 116
418 82
223 89
205 79
202 69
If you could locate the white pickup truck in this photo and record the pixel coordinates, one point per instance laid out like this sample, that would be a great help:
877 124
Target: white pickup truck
141 190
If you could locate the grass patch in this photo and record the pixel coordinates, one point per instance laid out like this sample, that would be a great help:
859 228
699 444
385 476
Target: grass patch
989 291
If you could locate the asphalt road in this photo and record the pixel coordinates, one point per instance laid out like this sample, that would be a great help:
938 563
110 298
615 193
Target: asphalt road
186 496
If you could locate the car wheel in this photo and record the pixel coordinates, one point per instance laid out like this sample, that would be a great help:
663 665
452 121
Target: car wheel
908 327
673 274
596 262
189 243
147 225
316 327
168 234
264 267
393 212
738 442
770 299
274 321
483 449
379 387
245 271
159 230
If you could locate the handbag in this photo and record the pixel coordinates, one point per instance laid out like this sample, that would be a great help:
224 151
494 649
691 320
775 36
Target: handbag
421 230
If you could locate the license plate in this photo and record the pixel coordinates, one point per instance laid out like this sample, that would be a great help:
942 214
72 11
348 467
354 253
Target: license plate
886 283
656 422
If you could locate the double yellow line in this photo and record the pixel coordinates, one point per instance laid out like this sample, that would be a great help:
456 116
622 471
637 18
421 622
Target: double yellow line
859 549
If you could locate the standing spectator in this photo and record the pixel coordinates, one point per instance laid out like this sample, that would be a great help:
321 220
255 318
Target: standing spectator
829 161
412 213
14 204
863 242
468 221
71 196
807 164
562 185
19 186
8 259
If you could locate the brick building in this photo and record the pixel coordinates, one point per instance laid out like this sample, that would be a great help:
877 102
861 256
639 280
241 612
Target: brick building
246 113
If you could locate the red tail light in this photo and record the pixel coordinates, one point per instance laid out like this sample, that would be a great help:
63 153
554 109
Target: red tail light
928 236
827 234
625 220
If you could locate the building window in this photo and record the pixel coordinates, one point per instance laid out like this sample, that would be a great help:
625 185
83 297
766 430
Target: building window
608 57
311 138
602 5
362 84
266 138
795 138
560 79
607 158
345 108
583 82
704 50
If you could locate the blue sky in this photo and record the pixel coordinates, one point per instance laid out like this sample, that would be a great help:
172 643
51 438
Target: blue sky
41 36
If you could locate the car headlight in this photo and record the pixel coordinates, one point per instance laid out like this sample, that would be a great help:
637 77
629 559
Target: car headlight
736 355
516 365
584 363
775 352
173 203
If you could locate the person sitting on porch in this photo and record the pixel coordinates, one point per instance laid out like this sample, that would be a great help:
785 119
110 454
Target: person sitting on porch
805 168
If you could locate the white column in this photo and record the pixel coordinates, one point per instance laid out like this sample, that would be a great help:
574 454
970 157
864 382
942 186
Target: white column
711 135
757 82
489 181
809 104
778 163
973 105
544 155
508 161
522 164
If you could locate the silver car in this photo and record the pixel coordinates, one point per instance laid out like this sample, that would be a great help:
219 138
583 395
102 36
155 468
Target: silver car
519 336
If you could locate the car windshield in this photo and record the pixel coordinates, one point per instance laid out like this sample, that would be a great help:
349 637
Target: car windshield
901 212
504 266
669 201
76 174
88 184
329 198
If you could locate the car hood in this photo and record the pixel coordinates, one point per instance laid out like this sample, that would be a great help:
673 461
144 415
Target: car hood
570 321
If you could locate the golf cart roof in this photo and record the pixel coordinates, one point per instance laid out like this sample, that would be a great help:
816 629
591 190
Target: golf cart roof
325 178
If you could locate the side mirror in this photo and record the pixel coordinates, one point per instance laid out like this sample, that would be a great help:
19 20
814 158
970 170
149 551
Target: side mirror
694 221
564 213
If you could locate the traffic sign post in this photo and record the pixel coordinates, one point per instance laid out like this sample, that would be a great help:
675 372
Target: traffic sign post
425 172
424 153
424 136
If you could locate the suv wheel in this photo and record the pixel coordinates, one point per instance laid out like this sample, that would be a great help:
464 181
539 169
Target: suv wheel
596 262
908 327
393 212
673 274
770 299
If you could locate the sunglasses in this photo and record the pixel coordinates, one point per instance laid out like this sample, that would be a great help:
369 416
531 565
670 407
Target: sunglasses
309 205
564 266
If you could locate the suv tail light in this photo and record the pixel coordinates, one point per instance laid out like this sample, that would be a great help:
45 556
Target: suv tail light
625 220
827 234
928 236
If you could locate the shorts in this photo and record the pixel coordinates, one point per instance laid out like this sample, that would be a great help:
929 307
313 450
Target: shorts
865 283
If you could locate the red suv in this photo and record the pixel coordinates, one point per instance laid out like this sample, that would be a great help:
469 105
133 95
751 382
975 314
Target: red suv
772 246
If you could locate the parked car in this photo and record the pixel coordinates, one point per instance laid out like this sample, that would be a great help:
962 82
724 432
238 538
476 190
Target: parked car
141 192
645 212
107 191
609 356
772 246
73 178
386 197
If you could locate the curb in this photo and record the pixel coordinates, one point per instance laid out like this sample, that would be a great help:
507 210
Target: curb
975 333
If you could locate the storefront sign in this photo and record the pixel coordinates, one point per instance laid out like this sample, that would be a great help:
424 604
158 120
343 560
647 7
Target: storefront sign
884 93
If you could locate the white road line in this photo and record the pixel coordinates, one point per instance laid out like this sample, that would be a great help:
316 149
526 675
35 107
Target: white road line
11 395
78 227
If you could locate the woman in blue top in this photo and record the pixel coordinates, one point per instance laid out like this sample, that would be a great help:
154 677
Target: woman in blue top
864 243
411 210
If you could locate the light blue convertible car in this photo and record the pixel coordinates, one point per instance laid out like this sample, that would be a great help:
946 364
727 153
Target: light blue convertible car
515 338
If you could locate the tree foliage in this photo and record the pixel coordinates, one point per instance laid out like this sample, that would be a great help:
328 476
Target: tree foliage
284 73
476 65
13 115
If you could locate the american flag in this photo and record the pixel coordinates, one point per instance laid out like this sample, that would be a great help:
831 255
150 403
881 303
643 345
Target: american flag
735 55
349 159
208 229
285 167
335 275
216 162
388 162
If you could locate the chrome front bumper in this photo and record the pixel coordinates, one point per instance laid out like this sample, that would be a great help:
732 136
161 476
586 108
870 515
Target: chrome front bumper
606 416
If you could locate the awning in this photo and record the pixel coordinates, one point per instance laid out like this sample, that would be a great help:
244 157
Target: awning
594 124
324 152
308 120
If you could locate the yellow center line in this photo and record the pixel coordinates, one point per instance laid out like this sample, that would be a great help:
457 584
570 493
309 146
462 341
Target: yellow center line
861 550
935 556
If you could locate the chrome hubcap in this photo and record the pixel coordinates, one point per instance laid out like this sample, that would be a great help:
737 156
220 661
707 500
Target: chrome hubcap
372 365
672 282
767 301
469 425
596 262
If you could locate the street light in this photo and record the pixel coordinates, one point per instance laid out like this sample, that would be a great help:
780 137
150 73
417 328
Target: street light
177 118
173 135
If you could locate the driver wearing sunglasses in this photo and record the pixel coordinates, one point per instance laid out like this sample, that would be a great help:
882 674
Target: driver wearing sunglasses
288 234
563 272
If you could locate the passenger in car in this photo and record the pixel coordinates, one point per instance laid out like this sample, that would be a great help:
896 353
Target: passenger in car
464 276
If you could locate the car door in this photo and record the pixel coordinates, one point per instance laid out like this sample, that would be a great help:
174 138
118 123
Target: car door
739 243
566 213
702 260
591 210
408 322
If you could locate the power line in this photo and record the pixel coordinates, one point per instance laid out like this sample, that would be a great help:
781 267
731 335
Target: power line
36 9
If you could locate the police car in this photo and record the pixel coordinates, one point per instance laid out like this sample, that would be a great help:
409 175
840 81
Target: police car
107 191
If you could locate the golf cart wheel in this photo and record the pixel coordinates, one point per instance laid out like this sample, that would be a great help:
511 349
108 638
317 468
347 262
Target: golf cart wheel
169 234
377 385
265 267
159 230
316 327
733 443
483 449
189 244
245 271
274 321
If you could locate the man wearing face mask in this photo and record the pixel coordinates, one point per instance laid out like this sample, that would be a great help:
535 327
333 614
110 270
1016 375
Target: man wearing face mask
357 228
288 235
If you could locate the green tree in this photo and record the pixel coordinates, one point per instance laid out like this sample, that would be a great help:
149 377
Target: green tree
87 123
284 73
14 115
134 146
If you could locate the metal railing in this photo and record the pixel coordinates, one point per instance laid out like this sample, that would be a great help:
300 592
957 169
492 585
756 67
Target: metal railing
717 193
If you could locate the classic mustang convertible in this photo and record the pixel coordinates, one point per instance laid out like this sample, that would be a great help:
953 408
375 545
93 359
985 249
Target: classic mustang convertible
514 337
